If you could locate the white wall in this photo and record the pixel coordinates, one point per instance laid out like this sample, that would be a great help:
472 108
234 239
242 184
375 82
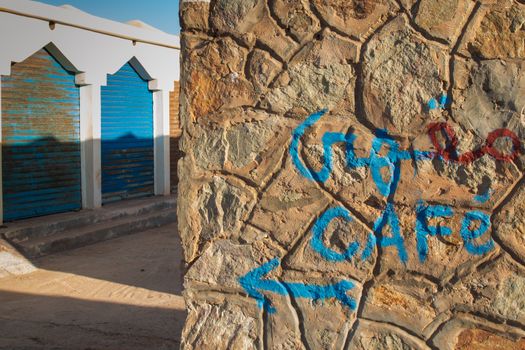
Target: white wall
85 50
93 47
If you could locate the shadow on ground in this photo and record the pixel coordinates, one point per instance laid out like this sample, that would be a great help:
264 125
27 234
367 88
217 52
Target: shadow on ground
151 260
70 324
119 294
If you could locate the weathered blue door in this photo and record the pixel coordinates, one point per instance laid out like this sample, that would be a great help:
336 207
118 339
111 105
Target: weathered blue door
127 136
40 139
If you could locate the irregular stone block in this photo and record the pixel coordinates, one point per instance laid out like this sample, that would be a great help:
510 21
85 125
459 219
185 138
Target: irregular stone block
222 204
509 223
444 19
357 18
319 77
221 324
288 206
262 69
478 339
466 332
381 336
213 207
402 300
282 327
210 152
221 265
253 145
296 17
497 31
326 324
241 17
509 300
402 72
494 290
215 79
245 142
489 95
194 15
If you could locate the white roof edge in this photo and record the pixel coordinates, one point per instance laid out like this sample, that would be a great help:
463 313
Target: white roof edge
89 22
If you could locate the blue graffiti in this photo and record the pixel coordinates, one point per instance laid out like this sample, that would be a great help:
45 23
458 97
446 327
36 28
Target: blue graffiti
387 187
391 161
298 133
253 283
423 230
319 229
389 217
386 173
469 235
483 197
369 248
442 104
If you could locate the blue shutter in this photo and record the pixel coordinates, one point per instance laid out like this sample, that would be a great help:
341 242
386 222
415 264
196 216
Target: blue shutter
41 139
127 136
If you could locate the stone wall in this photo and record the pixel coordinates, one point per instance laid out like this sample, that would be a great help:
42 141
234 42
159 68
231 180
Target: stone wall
353 174
175 133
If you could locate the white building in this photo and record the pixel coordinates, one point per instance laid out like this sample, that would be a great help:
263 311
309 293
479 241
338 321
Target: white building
85 109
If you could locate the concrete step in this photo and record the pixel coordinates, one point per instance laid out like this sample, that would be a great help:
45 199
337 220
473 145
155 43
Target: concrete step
12 263
21 231
35 247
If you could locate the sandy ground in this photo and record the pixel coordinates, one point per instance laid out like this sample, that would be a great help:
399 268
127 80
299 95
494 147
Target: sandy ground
123 294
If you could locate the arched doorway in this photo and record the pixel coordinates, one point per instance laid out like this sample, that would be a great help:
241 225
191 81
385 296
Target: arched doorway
40 139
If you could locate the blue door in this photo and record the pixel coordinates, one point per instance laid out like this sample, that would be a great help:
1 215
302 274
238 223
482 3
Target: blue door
40 139
127 136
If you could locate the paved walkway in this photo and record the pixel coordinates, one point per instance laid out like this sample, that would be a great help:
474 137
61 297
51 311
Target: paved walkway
123 294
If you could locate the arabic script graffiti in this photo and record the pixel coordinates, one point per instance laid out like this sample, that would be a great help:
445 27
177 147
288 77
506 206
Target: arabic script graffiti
474 226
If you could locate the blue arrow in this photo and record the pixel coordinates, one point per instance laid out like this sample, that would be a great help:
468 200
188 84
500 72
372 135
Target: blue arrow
253 283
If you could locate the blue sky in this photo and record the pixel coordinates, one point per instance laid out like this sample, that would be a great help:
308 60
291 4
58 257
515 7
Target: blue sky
162 14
